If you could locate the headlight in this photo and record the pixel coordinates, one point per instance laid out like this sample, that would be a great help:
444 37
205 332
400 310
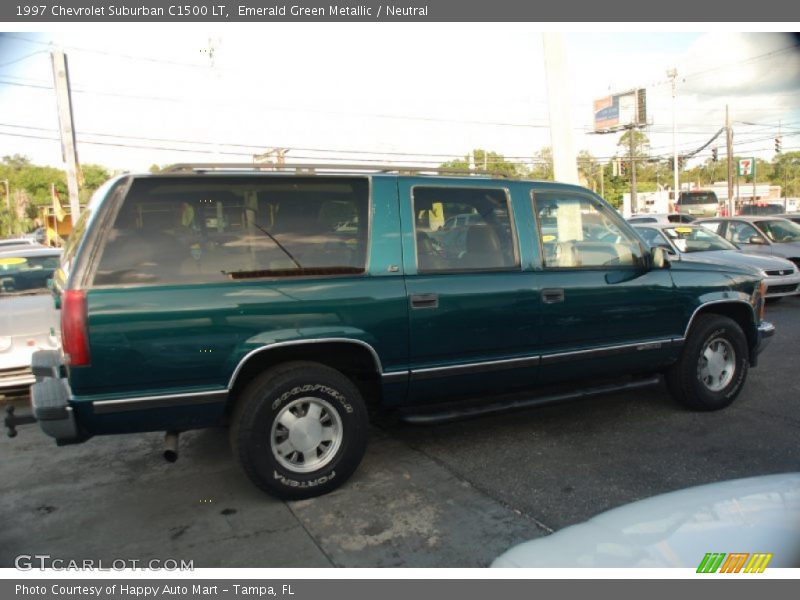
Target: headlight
5 342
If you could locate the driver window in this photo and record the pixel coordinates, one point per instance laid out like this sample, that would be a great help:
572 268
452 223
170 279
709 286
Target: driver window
578 232
740 233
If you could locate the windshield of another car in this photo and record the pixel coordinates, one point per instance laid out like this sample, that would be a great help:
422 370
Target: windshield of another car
780 231
26 275
697 239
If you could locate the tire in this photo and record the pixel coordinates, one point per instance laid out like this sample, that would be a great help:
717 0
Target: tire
702 385
299 430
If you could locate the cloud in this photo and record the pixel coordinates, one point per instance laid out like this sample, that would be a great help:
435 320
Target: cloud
741 64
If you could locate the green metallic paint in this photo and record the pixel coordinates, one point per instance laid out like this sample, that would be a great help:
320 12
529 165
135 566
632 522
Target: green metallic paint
167 340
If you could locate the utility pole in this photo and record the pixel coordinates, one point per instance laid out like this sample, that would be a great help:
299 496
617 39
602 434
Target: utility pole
565 166
69 151
8 194
602 181
634 201
729 144
673 74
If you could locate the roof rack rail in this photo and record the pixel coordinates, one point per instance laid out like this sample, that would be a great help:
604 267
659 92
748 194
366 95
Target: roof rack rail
313 169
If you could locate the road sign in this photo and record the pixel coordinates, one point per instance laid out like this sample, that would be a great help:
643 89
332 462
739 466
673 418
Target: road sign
747 166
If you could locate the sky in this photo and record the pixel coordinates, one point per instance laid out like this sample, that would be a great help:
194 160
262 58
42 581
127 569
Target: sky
383 93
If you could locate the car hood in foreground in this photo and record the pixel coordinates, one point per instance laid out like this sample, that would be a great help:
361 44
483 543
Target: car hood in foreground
754 515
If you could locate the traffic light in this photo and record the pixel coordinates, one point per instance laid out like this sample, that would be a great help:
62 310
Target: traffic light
777 145
714 156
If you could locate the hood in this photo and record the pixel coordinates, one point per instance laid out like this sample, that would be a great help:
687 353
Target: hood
733 258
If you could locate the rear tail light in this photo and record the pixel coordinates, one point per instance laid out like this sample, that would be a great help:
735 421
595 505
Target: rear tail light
762 292
74 332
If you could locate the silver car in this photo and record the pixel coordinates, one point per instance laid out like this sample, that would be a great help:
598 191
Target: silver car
696 243
766 235
28 317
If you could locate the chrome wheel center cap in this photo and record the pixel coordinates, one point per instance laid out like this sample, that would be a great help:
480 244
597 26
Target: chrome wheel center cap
305 434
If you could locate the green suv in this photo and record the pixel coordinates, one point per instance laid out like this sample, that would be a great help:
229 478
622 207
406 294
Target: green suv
289 303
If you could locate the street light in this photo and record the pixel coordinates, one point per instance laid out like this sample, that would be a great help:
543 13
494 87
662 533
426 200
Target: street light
673 74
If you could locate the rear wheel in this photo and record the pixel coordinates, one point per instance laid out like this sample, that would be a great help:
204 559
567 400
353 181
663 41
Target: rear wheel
713 365
299 430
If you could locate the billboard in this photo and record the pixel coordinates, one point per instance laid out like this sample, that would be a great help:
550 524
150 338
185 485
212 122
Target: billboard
619 111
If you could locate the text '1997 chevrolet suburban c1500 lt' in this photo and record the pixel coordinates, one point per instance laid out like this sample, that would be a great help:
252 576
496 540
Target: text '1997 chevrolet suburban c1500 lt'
288 302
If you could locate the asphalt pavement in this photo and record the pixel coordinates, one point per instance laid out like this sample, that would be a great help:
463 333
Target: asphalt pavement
453 495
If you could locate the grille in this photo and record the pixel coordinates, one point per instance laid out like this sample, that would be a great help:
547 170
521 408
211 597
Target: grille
779 273
781 289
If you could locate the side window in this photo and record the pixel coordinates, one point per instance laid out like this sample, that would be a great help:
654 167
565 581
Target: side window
577 232
740 233
463 229
715 226
206 229
651 236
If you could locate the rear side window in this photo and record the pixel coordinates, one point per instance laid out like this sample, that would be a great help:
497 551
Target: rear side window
463 229
214 229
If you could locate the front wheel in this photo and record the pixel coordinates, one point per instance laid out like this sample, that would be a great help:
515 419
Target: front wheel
713 365
299 430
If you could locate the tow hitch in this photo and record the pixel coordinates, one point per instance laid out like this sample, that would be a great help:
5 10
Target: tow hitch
12 421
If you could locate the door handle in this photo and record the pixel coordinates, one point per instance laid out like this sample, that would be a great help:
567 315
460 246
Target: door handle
552 295
425 301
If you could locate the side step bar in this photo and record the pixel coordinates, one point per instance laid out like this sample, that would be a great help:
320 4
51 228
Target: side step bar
455 413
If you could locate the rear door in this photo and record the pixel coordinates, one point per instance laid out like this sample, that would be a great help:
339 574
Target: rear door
473 321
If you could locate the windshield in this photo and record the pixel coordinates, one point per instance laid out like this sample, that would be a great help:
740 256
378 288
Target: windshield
780 231
697 239
26 275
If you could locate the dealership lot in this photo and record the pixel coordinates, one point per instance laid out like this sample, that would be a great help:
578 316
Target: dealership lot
453 495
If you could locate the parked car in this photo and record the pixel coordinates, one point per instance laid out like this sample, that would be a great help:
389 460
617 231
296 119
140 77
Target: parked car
209 294
28 318
771 236
761 208
794 217
740 526
698 243
661 218
9 243
698 203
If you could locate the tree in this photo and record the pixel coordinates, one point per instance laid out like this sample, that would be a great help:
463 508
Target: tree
641 144
543 167
491 160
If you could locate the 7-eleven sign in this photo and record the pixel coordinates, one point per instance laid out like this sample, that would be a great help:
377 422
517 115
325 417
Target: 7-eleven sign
747 166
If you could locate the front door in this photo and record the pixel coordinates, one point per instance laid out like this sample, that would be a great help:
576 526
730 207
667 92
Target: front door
604 312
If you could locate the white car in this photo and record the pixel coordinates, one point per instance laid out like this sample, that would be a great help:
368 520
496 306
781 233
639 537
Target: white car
10 243
660 218
698 244
758 517
28 317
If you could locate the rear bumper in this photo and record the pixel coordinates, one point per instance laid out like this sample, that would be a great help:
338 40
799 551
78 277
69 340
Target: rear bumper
50 399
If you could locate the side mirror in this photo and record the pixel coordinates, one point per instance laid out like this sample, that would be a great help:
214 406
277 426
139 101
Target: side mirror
660 258
757 240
